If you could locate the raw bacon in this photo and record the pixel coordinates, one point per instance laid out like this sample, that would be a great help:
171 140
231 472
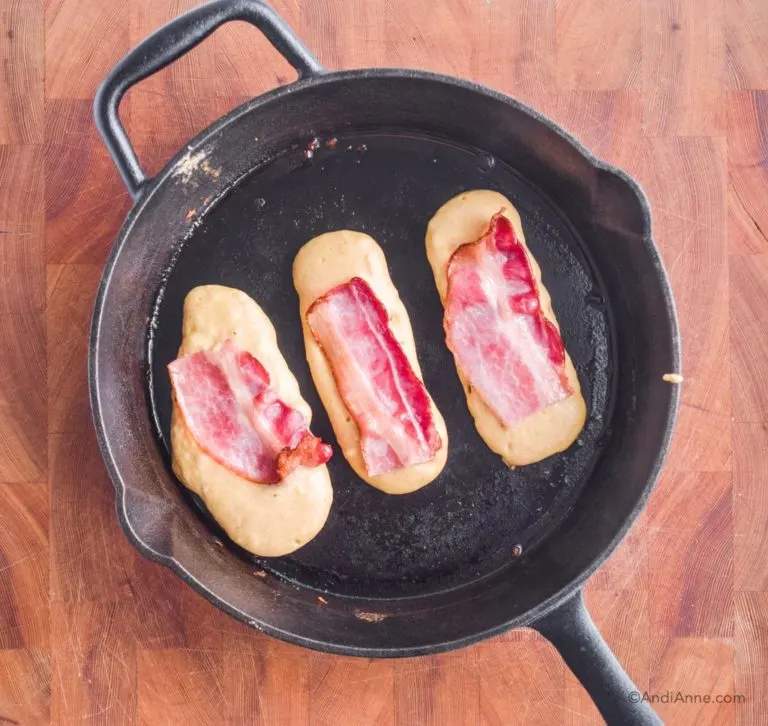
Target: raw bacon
235 416
374 378
504 346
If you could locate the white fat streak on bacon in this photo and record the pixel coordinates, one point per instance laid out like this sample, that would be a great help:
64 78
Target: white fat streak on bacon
402 440
257 401
491 320
371 373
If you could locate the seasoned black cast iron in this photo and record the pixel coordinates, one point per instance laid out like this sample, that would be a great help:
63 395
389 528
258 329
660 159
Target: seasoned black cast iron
482 549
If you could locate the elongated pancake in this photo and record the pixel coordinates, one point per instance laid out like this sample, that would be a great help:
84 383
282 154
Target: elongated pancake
522 389
268 519
368 376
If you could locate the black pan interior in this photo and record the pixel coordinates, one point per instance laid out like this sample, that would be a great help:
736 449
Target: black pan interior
478 515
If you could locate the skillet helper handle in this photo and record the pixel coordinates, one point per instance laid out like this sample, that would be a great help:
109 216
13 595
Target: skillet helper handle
572 631
167 44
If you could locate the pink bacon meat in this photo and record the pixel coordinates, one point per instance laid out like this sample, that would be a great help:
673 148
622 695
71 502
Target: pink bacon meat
504 346
236 417
374 378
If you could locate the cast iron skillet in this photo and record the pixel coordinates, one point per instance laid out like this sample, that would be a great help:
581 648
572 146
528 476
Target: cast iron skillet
483 548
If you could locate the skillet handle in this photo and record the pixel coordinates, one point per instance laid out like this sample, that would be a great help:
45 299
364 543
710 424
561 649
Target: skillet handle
572 631
167 44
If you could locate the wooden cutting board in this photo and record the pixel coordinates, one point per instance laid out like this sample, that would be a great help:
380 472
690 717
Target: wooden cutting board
675 92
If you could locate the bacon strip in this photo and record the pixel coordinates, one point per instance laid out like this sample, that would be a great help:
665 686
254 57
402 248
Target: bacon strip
235 416
504 346
374 378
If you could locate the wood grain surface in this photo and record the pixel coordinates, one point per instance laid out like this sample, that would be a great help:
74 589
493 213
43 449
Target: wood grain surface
675 91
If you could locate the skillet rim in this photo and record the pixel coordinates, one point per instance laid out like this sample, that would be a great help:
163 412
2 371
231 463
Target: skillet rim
145 195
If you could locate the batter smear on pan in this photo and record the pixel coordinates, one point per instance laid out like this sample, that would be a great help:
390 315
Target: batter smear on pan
509 352
374 378
236 417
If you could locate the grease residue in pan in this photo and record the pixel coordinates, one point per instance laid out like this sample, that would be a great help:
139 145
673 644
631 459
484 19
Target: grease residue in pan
478 515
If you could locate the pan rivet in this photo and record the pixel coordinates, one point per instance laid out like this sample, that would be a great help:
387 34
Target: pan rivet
517 550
